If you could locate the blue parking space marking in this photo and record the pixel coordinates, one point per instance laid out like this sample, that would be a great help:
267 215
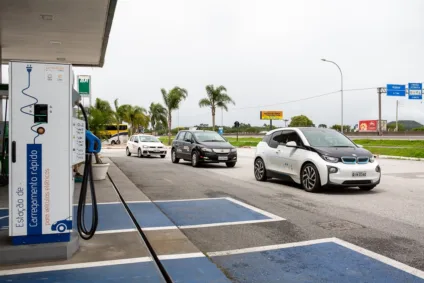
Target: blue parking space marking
112 216
4 219
320 262
148 215
212 212
194 270
129 272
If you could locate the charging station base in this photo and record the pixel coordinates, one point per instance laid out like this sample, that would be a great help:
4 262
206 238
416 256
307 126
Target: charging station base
12 254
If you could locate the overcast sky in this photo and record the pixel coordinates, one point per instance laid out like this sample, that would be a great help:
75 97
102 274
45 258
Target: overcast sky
265 52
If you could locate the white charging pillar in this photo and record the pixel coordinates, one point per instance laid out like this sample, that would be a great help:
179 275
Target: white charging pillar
42 147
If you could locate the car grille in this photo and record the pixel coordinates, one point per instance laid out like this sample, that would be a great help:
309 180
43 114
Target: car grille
221 150
355 160
154 147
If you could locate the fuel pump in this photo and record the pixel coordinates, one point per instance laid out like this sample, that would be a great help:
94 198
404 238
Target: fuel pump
45 141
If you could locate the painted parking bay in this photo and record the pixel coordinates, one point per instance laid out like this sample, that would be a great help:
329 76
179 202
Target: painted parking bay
4 219
209 212
129 270
317 261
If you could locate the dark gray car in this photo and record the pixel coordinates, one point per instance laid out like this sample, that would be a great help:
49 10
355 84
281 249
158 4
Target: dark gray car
203 147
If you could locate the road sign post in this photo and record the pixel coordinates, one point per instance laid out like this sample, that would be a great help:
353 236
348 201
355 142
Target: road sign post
237 125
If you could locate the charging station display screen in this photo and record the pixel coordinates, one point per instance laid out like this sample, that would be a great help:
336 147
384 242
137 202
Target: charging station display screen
40 113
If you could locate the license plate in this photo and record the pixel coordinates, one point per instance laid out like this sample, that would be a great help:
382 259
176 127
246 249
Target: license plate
359 174
222 157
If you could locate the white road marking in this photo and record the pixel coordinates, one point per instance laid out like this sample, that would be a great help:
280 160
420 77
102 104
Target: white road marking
116 231
269 248
139 201
191 199
169 181
396 264
258 210
381 258
159 228
181 256
74 265
227 223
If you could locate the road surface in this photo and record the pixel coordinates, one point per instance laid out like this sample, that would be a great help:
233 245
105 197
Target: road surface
388 222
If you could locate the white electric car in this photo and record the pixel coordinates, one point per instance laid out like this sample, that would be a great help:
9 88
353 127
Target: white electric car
145 145
315 157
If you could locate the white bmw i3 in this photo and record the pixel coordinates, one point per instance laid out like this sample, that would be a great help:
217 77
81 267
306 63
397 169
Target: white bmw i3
314 158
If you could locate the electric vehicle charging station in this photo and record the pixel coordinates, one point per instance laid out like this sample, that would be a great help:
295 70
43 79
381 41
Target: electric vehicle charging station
45 141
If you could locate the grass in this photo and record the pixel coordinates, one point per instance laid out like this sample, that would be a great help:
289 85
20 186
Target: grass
405 152
413 148
382 143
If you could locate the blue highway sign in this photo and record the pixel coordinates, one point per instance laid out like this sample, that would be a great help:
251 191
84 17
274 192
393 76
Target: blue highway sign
415 91
396 90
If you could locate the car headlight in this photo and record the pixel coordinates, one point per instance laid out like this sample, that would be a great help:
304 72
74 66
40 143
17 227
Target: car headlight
330 158
234 150
372 159
206 149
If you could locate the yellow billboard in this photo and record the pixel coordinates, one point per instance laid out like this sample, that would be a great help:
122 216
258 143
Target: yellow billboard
271 115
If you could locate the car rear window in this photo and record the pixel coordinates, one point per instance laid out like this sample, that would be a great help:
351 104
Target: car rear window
266 138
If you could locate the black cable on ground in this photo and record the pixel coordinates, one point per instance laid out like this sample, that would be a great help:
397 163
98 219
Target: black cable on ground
85 233
143 236
4 180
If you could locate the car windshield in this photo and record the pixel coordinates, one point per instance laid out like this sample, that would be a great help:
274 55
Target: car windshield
148 139
326 138
209 137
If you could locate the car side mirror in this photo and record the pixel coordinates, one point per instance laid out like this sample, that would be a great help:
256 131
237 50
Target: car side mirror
291 144
136 141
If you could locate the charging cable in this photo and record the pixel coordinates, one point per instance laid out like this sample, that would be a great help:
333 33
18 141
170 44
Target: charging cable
85 233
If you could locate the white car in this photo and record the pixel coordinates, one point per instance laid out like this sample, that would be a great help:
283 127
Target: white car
121 139
145 145
315 157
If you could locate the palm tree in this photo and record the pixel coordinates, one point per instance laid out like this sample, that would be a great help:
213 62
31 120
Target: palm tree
100 114
118 117
134 115
217 97
172 101
158 115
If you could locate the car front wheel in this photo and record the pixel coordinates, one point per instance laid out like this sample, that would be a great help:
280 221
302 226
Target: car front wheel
128 152
194 159
310 178
139 154
260 170
174 158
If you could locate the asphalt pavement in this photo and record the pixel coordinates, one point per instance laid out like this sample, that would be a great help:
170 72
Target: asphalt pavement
241 224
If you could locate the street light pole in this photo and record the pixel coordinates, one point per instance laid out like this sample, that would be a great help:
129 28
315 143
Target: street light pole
341 90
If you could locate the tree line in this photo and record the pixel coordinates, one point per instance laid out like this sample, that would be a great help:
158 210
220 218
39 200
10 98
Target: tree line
158 116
